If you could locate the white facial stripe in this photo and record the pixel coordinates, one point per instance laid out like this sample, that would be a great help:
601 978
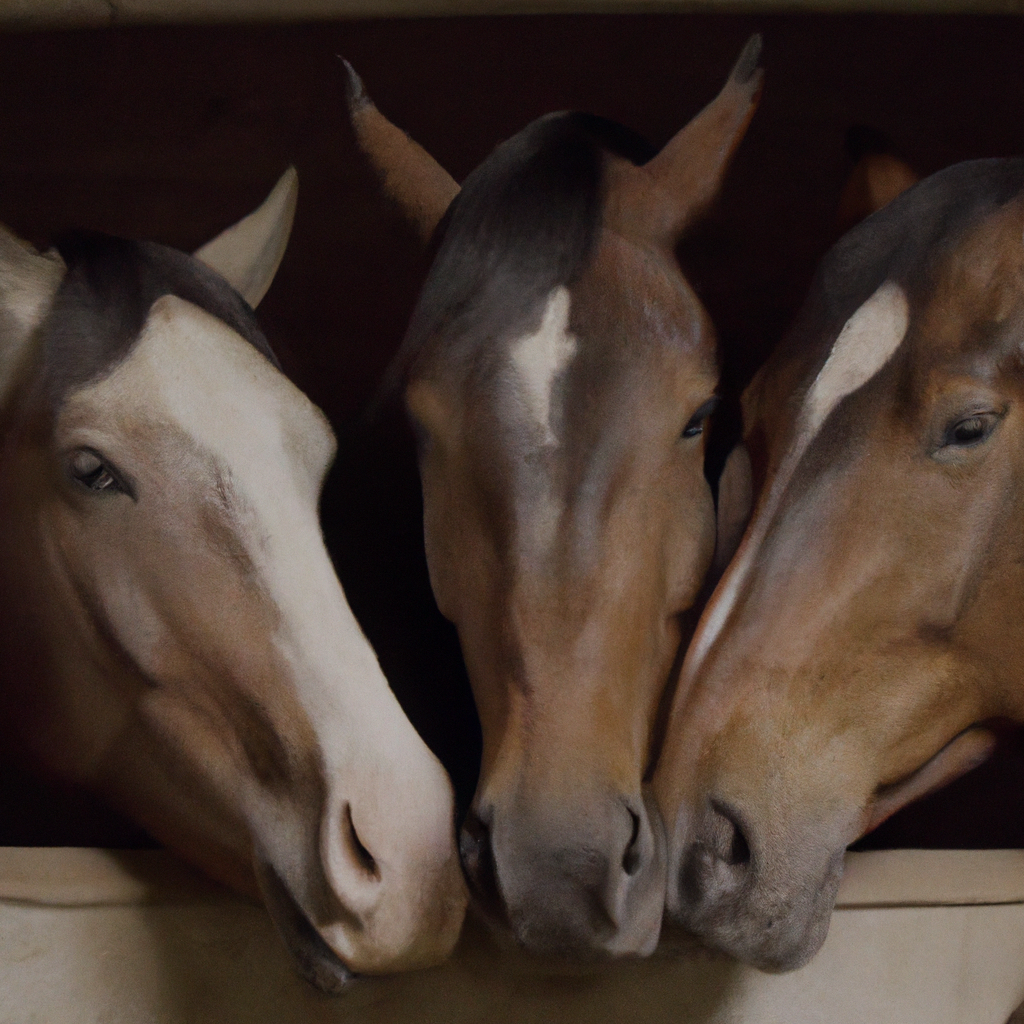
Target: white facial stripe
866 342
192 370
863 347
540 357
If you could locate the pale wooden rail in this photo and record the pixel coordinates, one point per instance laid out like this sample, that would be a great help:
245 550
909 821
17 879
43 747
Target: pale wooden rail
919 937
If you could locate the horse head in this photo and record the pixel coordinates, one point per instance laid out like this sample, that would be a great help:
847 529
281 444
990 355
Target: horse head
174 633
865 636
558 371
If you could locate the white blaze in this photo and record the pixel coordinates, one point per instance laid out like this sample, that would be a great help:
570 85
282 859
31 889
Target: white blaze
863 347
193 371
540 357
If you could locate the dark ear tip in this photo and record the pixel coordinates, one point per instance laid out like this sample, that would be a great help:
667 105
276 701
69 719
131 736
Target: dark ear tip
354 89
748 63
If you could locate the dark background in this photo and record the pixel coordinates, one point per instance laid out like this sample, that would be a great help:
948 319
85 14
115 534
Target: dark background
173 133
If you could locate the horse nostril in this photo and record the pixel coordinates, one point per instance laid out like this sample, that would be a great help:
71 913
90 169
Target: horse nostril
726 838
717 863
363 855
631 858
739 852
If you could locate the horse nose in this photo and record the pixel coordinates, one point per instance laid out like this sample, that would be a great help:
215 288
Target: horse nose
715 864
585 884
394 897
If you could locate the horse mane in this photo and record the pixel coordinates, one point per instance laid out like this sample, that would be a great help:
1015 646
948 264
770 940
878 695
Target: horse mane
102 304
523 224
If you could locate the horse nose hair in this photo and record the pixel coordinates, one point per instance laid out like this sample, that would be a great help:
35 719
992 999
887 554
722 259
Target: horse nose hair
717 861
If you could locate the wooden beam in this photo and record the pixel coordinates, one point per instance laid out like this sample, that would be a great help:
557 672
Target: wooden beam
34 14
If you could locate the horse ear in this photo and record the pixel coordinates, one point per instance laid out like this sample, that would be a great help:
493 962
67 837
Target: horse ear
735 503
28 283
248 254
687 173
411 177
877 178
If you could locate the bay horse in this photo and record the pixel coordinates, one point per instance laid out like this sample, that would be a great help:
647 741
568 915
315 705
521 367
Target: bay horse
865 641
173 634
558 371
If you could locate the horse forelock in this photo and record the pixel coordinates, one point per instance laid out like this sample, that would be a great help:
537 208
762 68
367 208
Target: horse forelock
906 239
522 226
99 310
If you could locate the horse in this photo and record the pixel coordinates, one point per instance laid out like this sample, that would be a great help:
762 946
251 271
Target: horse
173 634
558 371
864 645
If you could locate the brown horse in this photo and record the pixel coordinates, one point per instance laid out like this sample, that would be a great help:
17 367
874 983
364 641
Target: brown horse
866 636
558 370
173 634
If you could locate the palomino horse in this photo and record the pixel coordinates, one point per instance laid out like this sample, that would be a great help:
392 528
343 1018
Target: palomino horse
173 634
558 370
866 635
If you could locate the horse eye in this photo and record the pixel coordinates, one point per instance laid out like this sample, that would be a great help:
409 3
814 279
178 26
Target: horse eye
970 430
91 471
695 427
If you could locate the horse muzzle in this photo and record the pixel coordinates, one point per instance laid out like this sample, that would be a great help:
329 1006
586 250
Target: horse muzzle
727 886
575 887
